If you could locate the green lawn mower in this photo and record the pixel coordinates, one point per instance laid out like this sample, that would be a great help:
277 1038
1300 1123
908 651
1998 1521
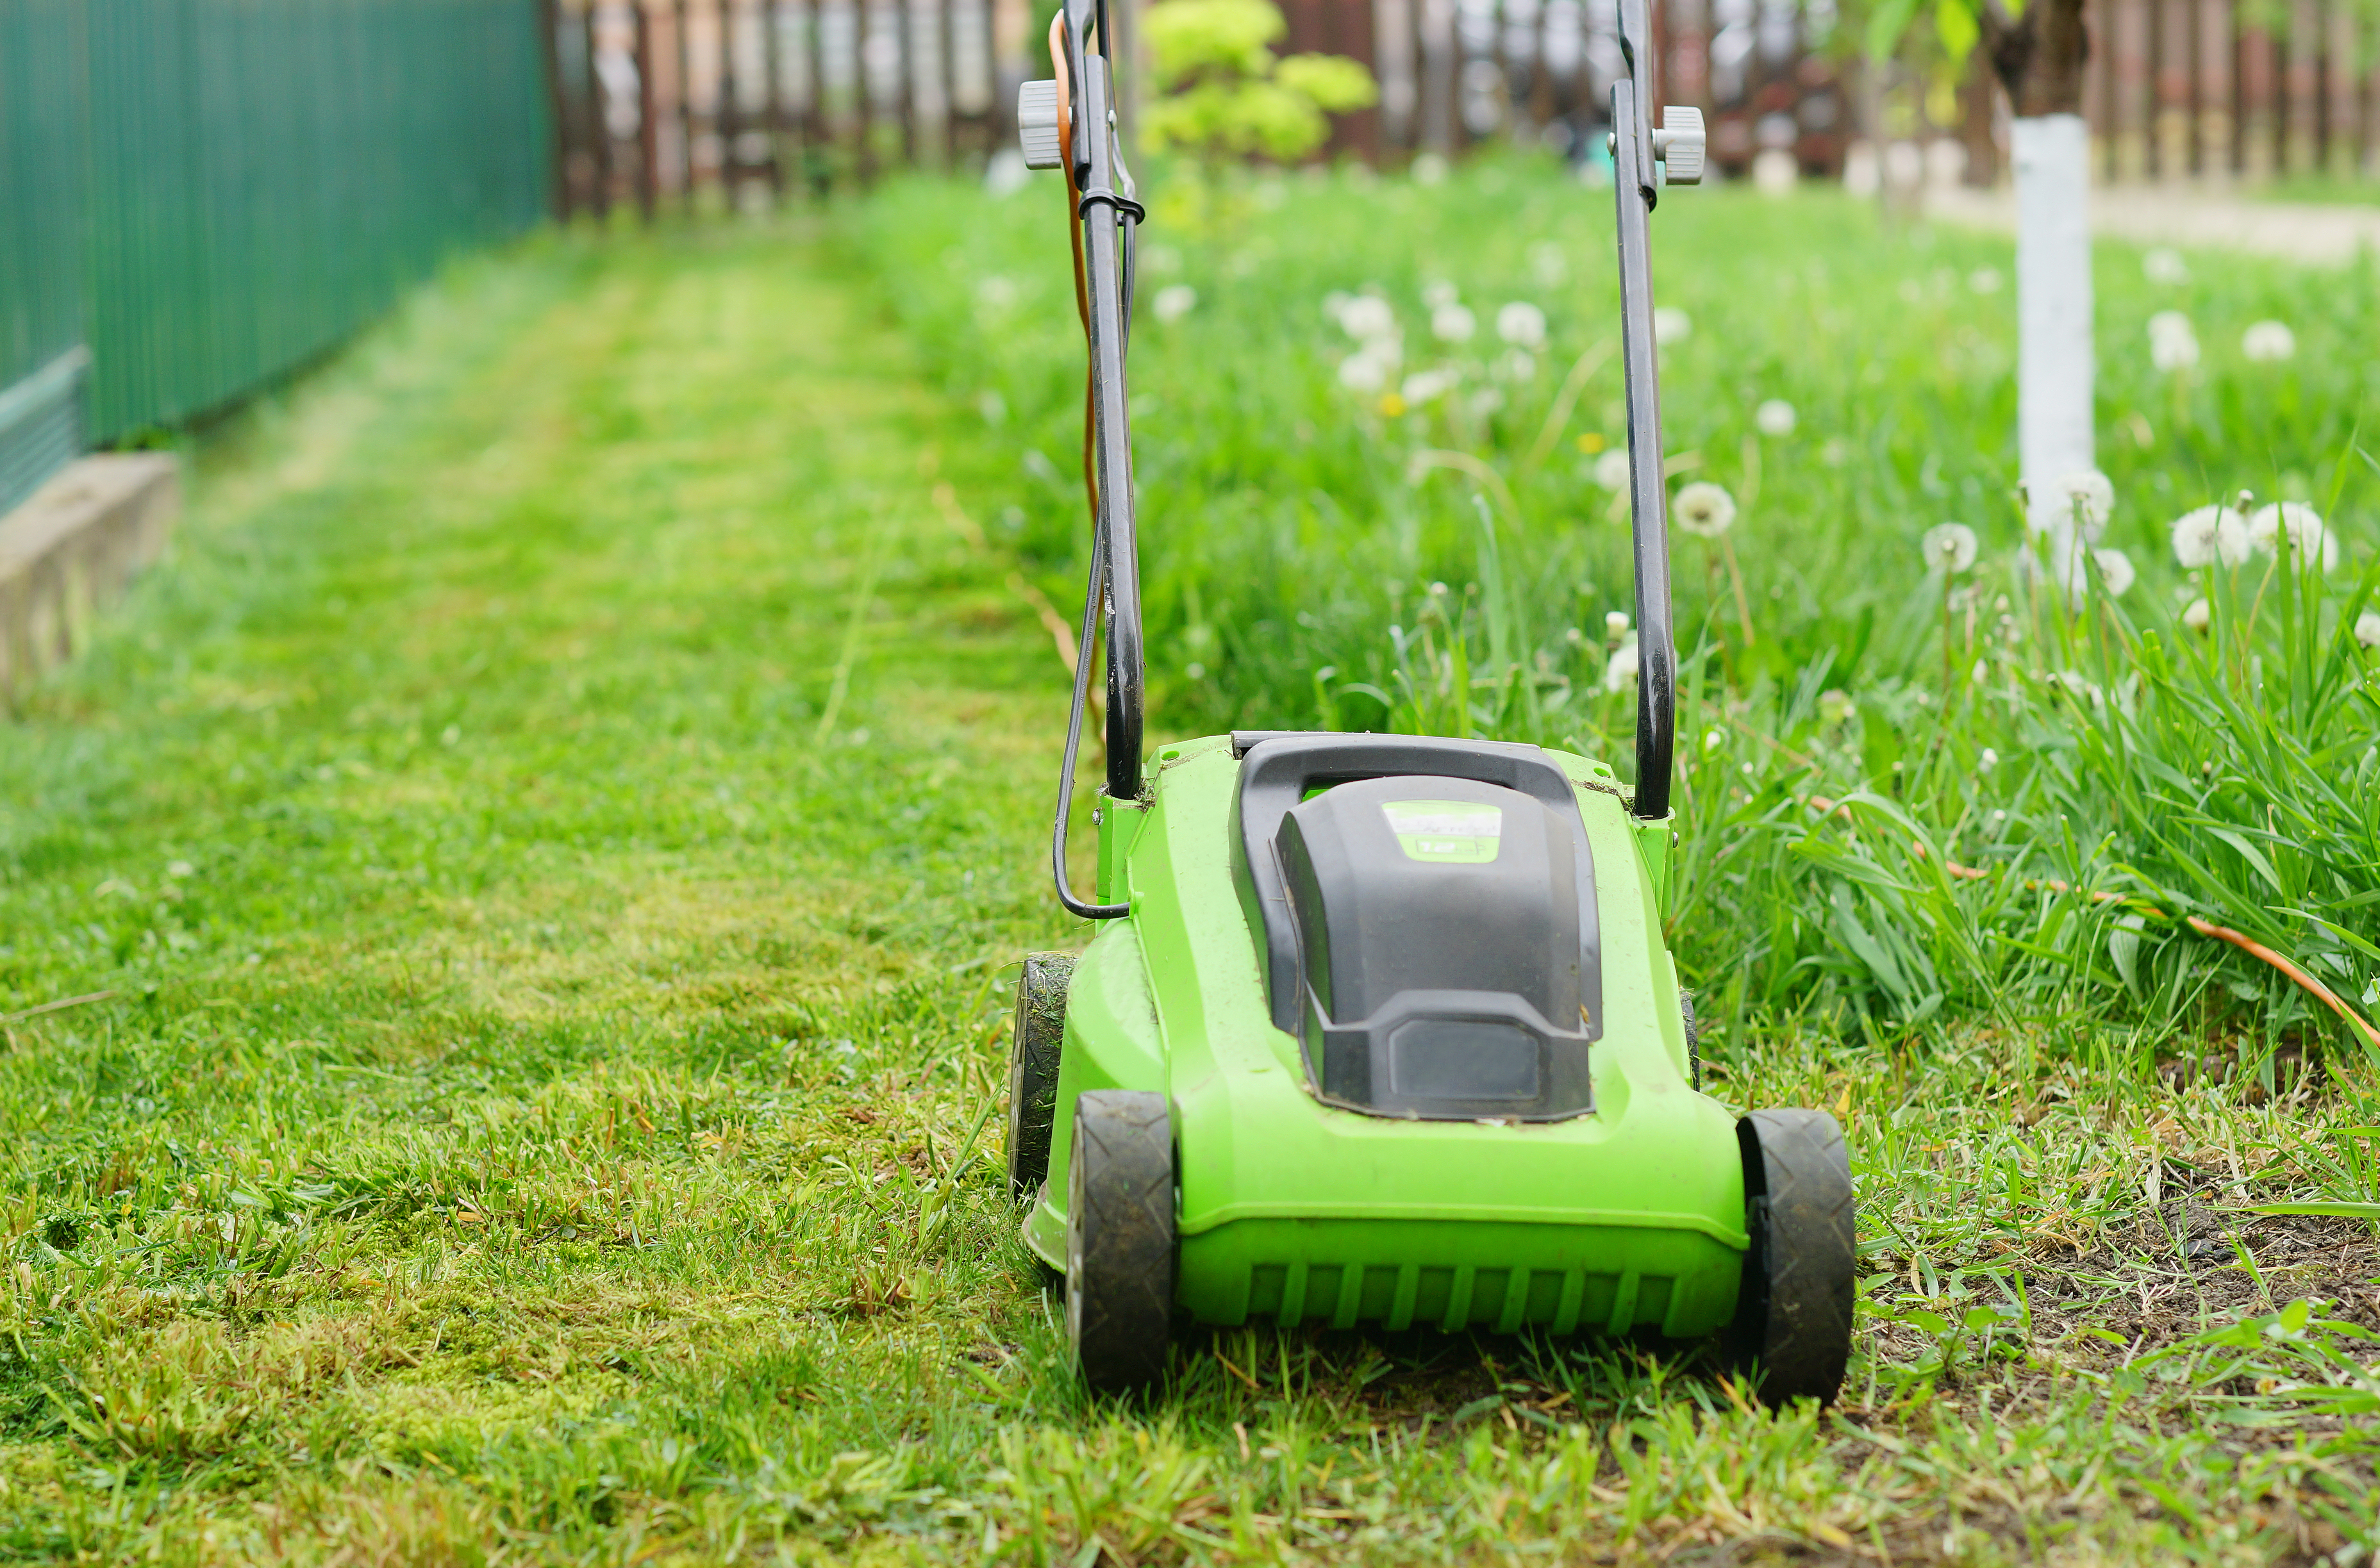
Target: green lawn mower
1381 1029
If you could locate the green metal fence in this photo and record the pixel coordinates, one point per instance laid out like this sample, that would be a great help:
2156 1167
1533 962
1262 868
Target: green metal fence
198 195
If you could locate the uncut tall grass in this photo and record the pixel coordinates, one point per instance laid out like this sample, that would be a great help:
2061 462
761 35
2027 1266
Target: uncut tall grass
1317 556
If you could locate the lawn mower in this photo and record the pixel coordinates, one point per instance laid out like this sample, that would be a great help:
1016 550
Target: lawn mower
1381 1029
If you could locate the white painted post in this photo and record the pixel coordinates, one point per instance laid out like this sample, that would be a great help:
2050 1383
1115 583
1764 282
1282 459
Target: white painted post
2051 154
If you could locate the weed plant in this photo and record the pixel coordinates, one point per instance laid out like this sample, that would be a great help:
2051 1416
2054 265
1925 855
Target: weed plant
1434 541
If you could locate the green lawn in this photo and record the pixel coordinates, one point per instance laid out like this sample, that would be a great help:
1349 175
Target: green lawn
552 838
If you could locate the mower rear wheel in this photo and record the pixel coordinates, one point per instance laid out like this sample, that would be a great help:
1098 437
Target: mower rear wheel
1120 1239
1033 1046
1793 1315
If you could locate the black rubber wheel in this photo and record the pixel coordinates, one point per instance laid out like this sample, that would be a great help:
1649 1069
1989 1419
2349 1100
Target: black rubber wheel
1693 1040
1033 1045
1120 1239
1793 1316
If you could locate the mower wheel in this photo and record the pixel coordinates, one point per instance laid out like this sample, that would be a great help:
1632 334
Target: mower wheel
1033 1047
1120 1239
1793 1315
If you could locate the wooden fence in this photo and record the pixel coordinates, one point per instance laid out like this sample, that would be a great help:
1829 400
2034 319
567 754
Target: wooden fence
664 102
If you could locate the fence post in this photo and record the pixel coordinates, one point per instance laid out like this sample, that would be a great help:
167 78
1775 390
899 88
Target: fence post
648 136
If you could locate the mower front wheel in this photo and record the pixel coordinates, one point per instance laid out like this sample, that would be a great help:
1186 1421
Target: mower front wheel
1120 1239
1794 1314
1033 1047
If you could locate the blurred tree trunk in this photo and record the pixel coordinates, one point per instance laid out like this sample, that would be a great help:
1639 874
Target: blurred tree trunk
2039 57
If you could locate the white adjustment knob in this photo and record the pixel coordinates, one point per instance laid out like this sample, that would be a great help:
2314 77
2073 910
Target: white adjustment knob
1679 144
1036 125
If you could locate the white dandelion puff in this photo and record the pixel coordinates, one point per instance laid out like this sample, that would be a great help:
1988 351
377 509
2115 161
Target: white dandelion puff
1452 323
2367 628
2086 497
1775 416
1615 624
1951 546
2208 534
2167 267
2173 342
1521 324
1369 368
2199 617
2268 342
1619 674
1175 301
1439 296
2307 536
1612 469
1704 509
1672 325
1425 386
1367 318
2116 571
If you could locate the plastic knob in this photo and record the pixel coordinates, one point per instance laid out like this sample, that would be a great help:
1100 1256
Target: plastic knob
1679 144
1036 125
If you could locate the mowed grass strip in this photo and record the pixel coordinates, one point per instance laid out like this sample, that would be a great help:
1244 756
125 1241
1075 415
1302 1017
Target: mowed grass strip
547 1107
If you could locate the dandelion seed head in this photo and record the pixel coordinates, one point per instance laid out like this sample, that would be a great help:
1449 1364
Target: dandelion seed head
2367 628
1615 624
1521 324
1367 317
2173 342
1612 469
2308 538
1951 546
1775 416
2199 617
1452 323
1175 301
2086 497
1704 509
1620 671
1672 325
1986 761
1368 368
1427 386
2207 535
2268 342
2116 570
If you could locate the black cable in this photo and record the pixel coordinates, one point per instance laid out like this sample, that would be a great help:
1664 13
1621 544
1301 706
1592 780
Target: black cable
1092 598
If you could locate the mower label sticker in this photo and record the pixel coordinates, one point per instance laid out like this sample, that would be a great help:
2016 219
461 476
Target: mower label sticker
1454 833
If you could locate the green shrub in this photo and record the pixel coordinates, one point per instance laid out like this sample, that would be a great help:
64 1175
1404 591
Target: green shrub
1227 95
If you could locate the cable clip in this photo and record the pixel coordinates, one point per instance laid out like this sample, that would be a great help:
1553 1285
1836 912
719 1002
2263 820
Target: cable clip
1124 205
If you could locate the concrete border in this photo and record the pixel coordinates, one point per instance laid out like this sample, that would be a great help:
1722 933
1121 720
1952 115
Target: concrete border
70 551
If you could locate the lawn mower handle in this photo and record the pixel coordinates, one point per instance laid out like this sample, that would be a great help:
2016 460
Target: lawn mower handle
1635 189
1105 216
